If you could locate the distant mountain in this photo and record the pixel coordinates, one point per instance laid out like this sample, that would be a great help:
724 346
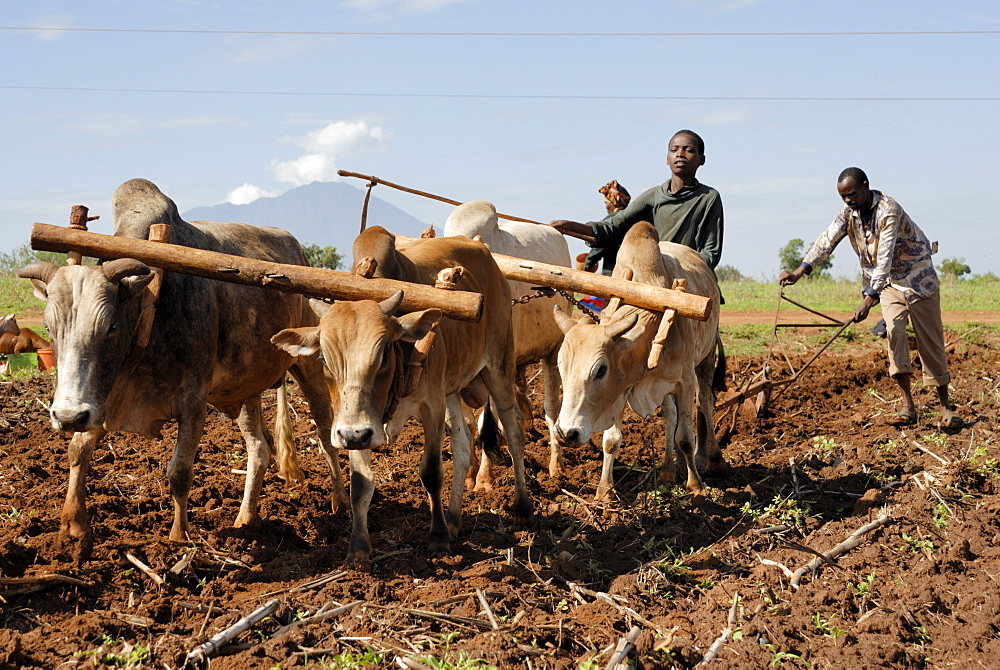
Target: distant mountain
324 213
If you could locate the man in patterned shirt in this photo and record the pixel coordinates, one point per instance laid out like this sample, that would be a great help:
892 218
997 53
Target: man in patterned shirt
896 265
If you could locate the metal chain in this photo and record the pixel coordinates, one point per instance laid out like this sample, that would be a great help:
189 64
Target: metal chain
546 292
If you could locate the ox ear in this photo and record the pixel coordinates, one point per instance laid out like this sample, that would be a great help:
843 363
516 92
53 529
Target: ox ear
391 304
318 307
298 341
625 328
416 325
130 275
563 320
40 274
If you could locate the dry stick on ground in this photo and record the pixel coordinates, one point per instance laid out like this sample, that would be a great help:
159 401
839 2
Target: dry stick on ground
795 478
727 632
409 664
146 570
29 584
604 597
853 540
625 645
487 609
202 653
317 617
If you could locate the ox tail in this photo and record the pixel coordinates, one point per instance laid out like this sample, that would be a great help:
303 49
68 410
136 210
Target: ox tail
284 443
489 436
719 378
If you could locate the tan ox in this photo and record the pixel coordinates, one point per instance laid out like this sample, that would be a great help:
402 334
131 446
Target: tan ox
604 365
365 349
536 335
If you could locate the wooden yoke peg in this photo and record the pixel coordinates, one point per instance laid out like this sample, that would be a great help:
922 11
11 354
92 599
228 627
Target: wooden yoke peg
158 232
78 221
660 339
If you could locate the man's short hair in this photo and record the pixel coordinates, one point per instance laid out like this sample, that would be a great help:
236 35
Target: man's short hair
697 139
856 173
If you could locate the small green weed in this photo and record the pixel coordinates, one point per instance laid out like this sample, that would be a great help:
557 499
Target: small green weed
823 626
940 515
863 587
825 446
917 545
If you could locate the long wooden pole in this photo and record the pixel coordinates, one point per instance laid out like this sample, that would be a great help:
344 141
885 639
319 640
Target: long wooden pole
375 180
690 305
309 281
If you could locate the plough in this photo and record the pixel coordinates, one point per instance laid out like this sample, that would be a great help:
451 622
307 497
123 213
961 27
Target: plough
760 385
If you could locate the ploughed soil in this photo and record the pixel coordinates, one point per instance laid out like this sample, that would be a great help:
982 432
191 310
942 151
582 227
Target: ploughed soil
817 464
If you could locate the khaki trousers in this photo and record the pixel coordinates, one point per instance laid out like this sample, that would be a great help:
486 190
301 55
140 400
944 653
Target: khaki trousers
925 317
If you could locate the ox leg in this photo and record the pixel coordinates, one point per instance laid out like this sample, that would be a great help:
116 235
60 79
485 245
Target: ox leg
74 525
523 401
611 443
308 373
668 410
550 376
686 440
461 449
251 423
480 477
181 466
502 392
359 551
708 444
432 475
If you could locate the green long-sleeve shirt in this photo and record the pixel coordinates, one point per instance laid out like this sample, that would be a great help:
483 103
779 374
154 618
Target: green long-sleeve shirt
692 216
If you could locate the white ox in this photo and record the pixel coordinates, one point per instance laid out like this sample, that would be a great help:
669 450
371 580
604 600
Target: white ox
367 351
537 336
605 365
208 345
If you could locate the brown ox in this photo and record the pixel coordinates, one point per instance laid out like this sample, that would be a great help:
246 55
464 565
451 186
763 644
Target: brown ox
604 365
365 349
209 345
17 340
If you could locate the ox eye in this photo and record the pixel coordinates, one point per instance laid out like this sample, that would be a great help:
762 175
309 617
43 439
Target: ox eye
602 370
113 327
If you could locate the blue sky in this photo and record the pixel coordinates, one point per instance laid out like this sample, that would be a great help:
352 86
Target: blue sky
535 123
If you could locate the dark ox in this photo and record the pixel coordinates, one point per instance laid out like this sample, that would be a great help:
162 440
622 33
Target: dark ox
209 345
366 350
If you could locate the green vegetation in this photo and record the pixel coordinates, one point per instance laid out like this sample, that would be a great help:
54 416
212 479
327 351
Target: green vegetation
843 295
790 257
116 653
780 510
322 257
954 268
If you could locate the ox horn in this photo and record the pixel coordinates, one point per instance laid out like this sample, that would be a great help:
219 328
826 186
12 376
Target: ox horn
391 304
40 270
117 270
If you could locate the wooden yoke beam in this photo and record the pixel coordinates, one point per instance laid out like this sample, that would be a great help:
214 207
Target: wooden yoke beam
305 280
686 304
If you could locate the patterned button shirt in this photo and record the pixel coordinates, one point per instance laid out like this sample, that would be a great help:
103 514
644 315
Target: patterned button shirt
893 251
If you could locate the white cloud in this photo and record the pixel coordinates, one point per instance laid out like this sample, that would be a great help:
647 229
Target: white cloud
247 193
325 146
52 21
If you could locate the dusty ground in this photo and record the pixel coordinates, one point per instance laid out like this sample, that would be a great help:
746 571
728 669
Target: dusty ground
919 591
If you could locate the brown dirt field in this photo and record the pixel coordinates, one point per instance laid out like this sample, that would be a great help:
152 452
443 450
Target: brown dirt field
919 592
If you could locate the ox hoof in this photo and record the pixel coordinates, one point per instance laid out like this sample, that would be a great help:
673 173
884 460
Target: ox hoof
359 560
719 467
79 546
522 511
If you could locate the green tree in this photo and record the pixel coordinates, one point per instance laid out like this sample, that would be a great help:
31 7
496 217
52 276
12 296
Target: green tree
322 257
790 257
12 261
729 273
954 267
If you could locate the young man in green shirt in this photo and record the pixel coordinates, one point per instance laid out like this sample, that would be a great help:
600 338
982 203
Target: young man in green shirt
682 209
